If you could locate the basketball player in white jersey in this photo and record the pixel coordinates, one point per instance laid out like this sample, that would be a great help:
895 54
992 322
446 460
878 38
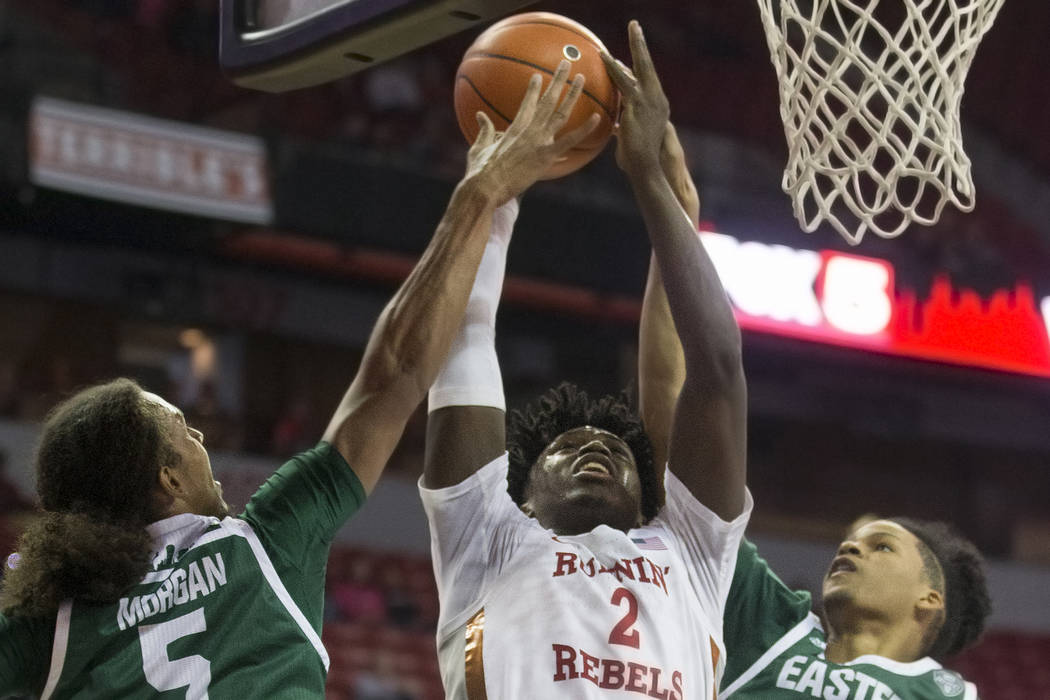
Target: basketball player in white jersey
134 581
559 573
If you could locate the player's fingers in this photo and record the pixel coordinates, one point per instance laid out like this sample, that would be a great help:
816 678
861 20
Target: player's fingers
643 62
561 115
486 132
618 73
630 73
528 104
557 85
577 135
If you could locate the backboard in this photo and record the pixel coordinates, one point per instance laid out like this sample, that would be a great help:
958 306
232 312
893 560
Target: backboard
281 45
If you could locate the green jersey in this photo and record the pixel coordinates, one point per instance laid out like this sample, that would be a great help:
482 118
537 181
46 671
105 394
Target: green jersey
232 607
775 650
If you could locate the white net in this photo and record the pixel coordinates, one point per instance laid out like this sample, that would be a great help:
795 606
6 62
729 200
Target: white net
870 101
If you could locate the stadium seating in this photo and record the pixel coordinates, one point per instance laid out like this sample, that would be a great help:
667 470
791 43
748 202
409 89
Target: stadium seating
1008 666
380 632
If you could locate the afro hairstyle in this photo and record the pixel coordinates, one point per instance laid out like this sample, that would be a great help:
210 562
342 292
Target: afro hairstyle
563 408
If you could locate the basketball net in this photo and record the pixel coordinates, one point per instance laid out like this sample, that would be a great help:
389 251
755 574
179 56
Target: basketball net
871 108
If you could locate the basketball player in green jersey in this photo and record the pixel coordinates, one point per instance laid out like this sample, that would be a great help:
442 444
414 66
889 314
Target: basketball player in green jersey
898 594
134 581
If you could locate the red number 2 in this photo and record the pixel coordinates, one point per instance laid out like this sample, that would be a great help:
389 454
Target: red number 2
622 633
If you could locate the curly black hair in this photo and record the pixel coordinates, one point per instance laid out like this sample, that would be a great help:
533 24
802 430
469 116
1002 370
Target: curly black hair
96 465
563 408
954 568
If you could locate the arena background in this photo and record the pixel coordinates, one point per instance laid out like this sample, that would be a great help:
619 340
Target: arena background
240 276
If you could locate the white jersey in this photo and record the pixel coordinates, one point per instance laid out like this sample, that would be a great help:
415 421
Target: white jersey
526 613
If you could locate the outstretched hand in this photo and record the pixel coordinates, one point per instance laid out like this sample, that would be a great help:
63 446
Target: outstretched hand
645 108
508 163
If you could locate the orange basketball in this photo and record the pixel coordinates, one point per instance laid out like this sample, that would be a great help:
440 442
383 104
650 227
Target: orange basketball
496 69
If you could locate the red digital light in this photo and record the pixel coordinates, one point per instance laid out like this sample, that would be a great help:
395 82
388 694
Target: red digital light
1004 332
850 301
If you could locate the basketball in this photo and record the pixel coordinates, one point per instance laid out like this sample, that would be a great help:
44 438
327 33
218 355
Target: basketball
495 72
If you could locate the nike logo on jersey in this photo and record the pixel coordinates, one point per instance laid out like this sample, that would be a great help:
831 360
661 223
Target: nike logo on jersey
638 569
168 557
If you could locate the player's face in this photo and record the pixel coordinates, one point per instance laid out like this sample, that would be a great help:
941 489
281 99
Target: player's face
586 477
202 493
877 572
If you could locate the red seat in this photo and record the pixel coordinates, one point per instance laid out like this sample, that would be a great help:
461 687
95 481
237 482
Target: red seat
1008 666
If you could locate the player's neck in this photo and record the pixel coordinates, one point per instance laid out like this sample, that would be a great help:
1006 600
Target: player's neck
847 641
581 521
583 528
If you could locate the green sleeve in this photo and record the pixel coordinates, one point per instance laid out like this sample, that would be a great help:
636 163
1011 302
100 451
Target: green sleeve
760 609
297 512
25 654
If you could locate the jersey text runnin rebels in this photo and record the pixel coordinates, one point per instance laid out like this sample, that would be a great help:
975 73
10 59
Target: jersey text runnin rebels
526 613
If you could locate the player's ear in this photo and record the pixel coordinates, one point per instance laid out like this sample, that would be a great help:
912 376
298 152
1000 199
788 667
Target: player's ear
931 603
171 482
168 490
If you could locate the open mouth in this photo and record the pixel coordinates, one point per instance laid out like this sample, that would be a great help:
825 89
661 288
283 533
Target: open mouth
841 565
593 465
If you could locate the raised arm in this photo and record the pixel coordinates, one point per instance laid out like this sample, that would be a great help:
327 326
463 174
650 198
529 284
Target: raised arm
661 366
414 332
707 449
466 429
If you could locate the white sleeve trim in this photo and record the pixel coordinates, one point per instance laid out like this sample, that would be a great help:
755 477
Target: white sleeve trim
242 529
58 650
807 625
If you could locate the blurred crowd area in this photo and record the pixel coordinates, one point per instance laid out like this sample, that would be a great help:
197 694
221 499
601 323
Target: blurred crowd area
258 393
283 409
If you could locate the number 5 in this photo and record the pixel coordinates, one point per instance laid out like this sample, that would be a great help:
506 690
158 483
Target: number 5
171 674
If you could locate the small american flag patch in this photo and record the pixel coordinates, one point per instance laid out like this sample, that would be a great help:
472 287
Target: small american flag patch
649 542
